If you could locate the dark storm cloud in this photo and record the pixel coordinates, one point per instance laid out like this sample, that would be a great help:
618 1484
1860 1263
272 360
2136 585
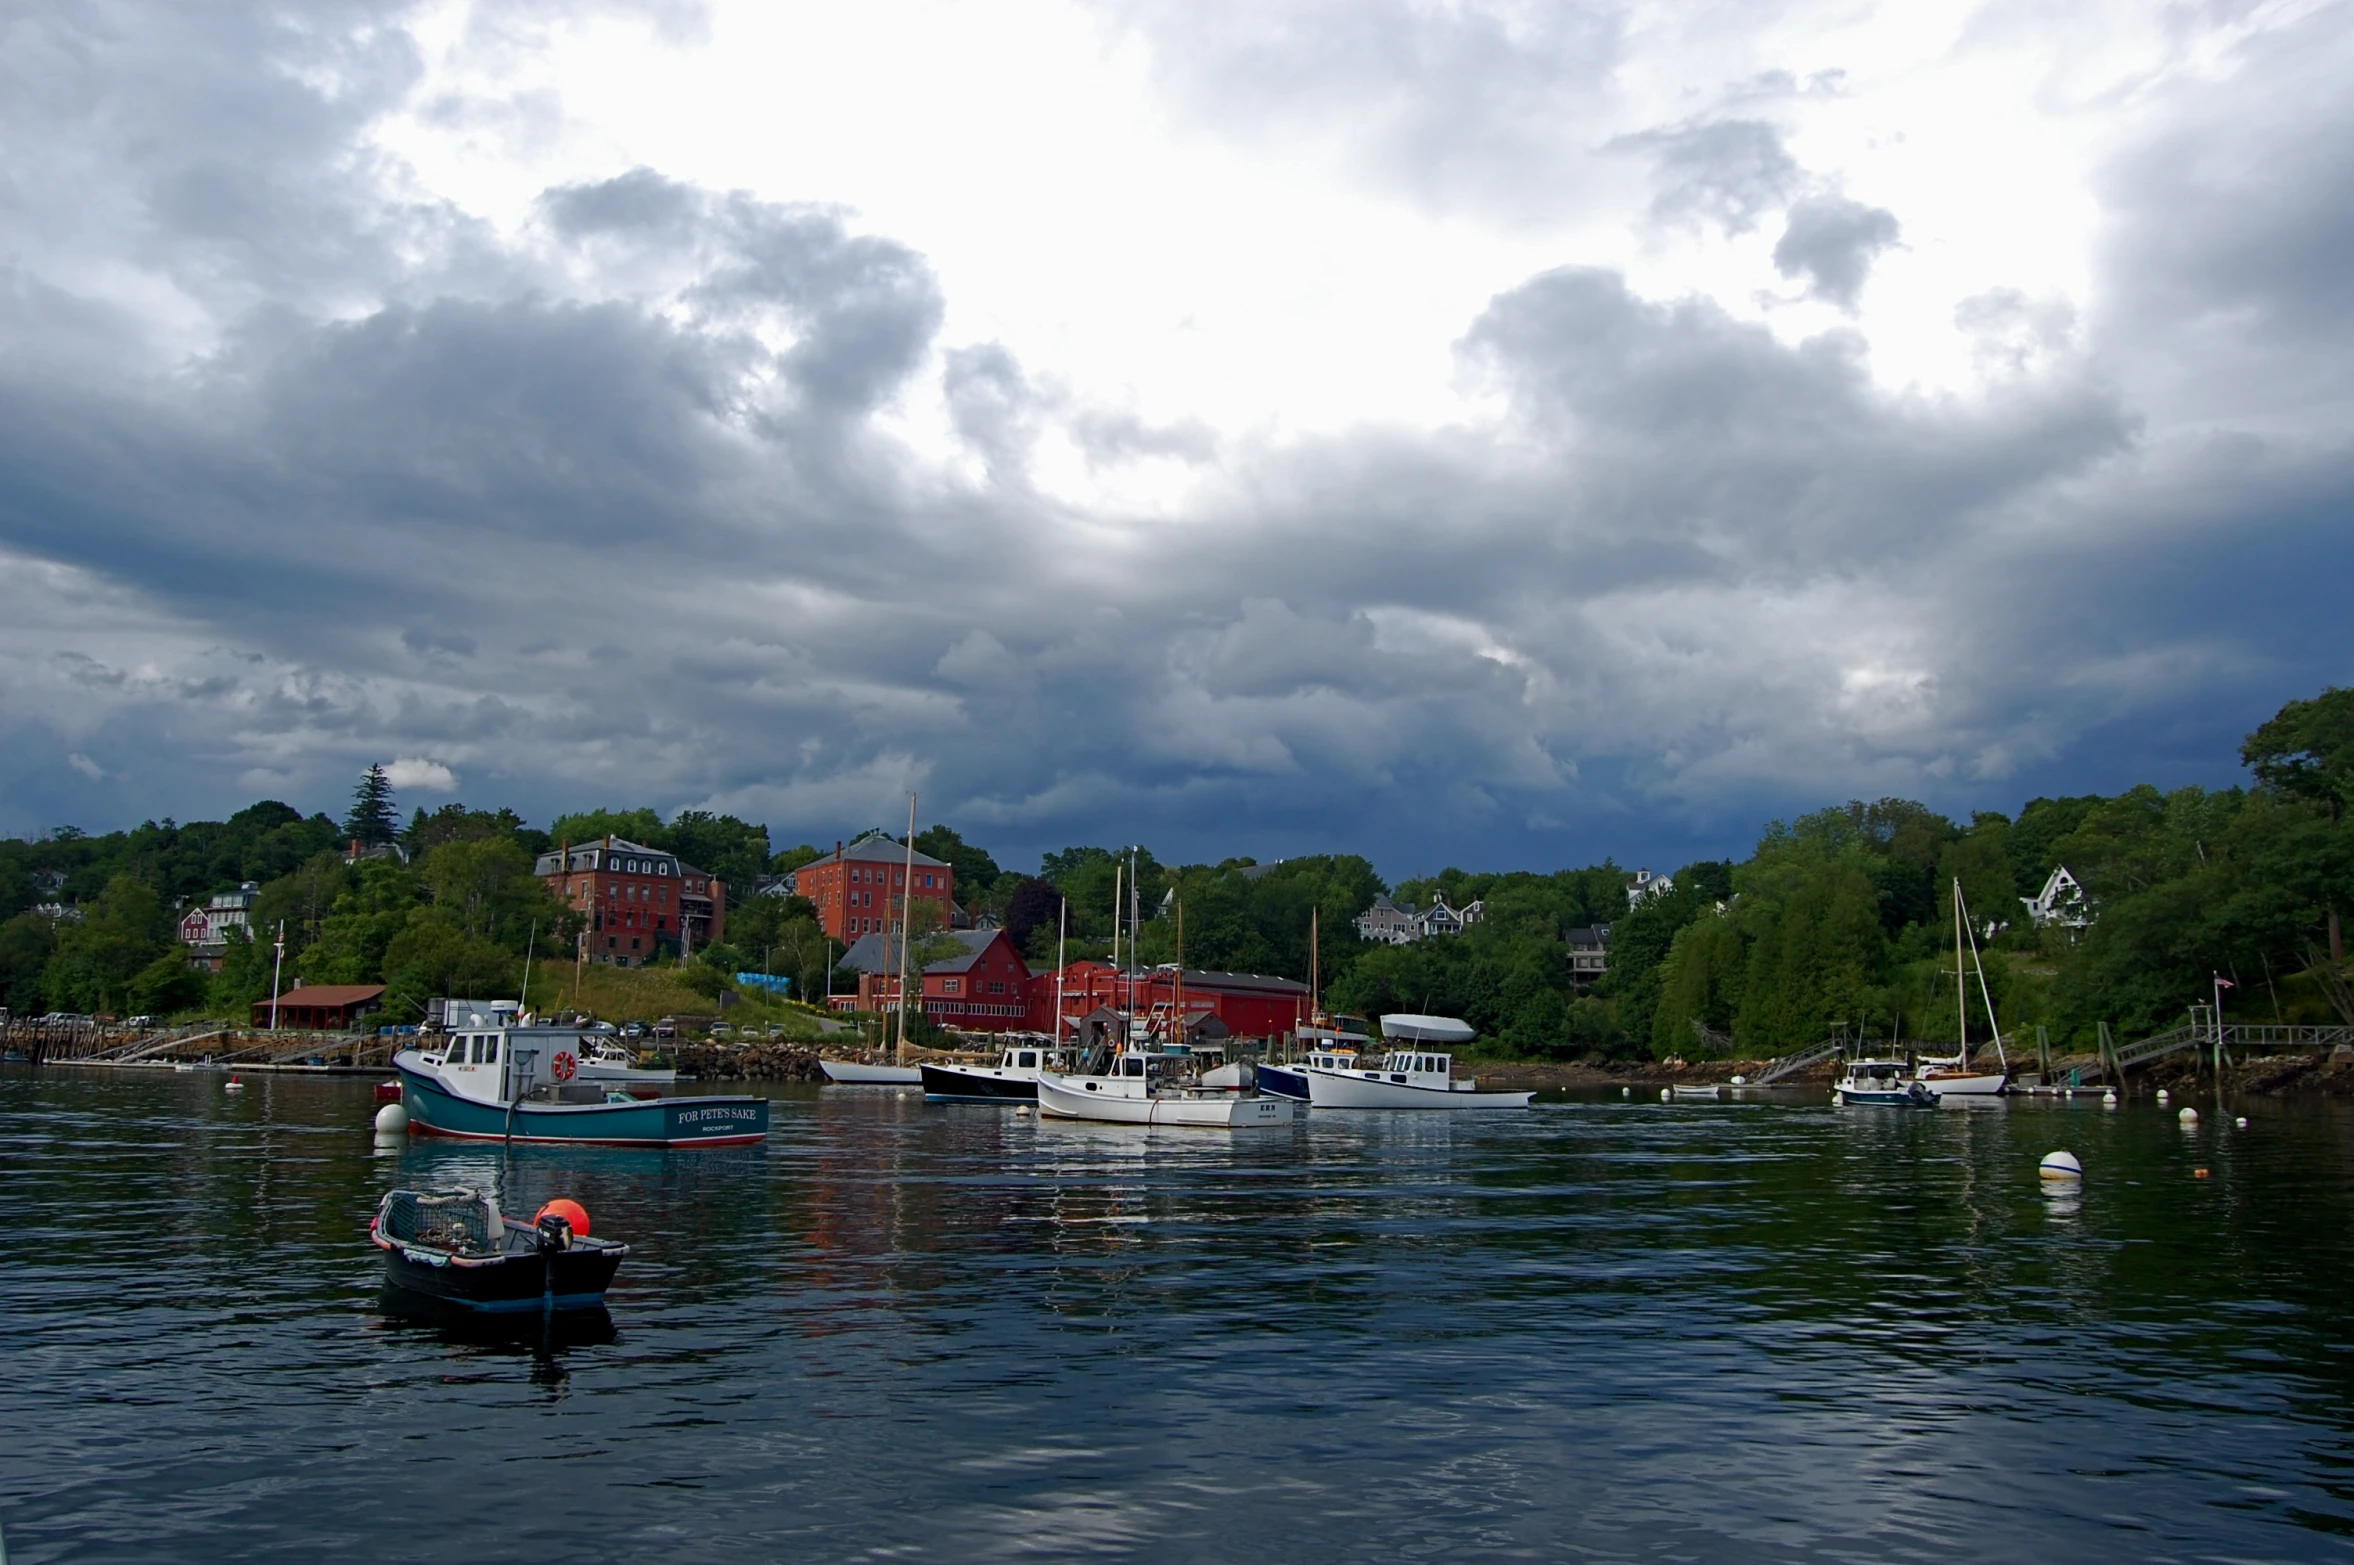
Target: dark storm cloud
1830 242
616 509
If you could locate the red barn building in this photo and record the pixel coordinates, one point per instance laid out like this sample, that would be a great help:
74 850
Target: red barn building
637 900
1251 1005
984 987
856 892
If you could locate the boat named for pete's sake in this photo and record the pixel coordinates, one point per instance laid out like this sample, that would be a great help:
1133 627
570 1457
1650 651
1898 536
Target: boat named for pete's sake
503 1077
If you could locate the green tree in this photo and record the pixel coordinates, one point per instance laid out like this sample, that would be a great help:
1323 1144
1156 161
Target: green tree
27 941
975 871
2306 751
373 819
94 960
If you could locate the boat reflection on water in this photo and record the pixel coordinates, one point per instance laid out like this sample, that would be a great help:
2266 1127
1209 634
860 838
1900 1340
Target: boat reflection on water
545 1338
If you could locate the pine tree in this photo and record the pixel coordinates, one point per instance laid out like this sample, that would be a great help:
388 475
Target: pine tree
372 820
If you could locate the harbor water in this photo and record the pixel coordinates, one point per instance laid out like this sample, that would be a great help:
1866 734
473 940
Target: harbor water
1597 1329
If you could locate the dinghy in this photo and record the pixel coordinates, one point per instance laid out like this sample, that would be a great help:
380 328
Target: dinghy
456 1247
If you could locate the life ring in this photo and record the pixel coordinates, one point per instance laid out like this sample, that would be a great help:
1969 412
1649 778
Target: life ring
564 1065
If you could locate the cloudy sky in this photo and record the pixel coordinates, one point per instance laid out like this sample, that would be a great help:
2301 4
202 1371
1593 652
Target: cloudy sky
1495 434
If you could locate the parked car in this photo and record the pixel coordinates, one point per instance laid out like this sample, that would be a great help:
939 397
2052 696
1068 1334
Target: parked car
633 1030
139 1021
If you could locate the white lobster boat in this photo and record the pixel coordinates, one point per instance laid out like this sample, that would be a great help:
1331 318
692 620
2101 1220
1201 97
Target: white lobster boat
857 1073
1140 1091
1417 1079
603 1060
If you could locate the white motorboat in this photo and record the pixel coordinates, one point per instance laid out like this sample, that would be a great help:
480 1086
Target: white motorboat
1140 1089
1882 1084
1343 1079
1695 1092
1951 1077
855 1073
602 1060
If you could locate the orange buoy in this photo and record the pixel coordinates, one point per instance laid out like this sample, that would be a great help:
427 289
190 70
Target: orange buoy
2198 1173
571 1211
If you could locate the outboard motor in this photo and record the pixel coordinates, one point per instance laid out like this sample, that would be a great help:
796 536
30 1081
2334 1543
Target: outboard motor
555 1233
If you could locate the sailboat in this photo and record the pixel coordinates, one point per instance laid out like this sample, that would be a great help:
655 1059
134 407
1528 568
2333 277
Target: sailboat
1950 1075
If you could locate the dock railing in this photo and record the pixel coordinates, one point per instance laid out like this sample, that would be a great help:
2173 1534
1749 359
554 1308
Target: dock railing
1795 1063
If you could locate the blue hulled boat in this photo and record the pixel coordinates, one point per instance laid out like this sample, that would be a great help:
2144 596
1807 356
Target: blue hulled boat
501 1078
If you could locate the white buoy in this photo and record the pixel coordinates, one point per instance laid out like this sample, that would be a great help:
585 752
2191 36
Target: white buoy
2161 1094
392 1120
2109 1098
1740 1081
1626 1092
2061 1166
233 1085
1667 1094
1023 1112
2241 1123
2189 1117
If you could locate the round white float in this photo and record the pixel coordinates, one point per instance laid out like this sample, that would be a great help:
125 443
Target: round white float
2061 1166
2189 1117
2241 1123
1740 1081
1667 1094
2161 1094
2109 1099
392 1120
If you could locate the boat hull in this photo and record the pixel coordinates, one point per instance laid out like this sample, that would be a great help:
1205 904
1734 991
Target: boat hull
850 1073
653 1122
1967 1086
1332 1090
968 1084
566 1280
1069 1098
1875 1097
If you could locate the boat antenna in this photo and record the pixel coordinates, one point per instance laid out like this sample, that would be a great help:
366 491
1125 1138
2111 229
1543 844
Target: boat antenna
906 921
1979 963
1315 963
523 1005
1062 935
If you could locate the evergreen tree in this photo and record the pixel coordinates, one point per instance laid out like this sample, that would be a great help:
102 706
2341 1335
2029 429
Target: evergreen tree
372 820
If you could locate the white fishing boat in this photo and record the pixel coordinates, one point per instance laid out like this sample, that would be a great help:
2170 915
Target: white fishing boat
1416 1079
603 1060
1882 1084
1142 1087
1694 1092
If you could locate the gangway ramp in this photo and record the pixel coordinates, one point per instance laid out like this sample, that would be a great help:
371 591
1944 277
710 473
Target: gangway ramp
1797 1062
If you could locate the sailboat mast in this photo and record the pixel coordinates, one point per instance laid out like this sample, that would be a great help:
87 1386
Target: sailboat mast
906 910
1315 963
1062 936
1961 975
1978 962
1118 869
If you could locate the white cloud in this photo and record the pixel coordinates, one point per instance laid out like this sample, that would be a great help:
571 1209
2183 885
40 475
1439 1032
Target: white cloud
412 775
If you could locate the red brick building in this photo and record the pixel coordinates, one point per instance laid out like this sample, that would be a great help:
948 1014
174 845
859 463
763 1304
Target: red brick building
638 901
856 891
984 987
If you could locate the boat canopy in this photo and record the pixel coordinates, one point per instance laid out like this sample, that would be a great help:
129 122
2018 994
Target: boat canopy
1414 1028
